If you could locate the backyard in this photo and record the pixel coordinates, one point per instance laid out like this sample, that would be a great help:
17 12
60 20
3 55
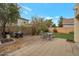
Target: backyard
36 46
31 37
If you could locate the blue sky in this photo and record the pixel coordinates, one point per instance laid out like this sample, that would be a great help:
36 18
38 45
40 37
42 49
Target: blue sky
48 10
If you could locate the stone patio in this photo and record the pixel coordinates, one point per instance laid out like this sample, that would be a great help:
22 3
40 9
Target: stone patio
39 47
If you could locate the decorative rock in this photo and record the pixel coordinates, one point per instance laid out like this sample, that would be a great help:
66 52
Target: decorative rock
8 36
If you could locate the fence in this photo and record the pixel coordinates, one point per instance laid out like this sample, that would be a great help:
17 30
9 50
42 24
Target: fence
28 30
25 30
62 29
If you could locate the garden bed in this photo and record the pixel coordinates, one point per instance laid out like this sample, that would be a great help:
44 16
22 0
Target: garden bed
6 41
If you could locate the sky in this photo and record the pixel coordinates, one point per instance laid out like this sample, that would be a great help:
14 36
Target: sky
48 10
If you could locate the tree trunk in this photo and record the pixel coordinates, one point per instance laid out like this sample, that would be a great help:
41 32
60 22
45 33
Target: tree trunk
3 30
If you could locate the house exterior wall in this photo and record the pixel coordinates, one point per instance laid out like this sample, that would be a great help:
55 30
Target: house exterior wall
68 22
21 22
68 25
76 24
76 35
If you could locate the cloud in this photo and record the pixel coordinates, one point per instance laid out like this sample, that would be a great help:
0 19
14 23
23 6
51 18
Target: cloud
49 17
26 8
52 17
56 19
23 12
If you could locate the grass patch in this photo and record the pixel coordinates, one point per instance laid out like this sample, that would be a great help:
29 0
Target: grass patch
64 36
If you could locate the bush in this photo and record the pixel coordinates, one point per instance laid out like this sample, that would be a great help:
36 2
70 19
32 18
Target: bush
70 40
55 30
6 40
71 33
38 29
71 37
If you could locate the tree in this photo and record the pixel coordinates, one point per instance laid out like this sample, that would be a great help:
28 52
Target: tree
39 24
60 22
8 14
54 25
49 22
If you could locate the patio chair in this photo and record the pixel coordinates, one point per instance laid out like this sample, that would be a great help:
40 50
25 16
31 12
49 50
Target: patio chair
45 35
18 34
48 36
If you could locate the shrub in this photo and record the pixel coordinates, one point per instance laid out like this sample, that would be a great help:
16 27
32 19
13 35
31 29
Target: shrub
71 32
70 40
71 37
55 30
40 24
38 28
6 40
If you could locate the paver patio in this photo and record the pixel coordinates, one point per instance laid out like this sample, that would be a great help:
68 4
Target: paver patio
56 47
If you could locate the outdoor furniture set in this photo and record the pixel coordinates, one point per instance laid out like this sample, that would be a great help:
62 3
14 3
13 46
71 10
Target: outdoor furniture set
47 35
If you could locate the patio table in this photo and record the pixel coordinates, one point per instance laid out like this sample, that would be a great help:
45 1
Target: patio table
48 36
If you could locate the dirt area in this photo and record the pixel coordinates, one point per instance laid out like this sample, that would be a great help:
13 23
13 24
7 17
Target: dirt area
17 45
36 46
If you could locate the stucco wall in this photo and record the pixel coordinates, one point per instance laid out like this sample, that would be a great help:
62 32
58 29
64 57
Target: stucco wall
68 25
